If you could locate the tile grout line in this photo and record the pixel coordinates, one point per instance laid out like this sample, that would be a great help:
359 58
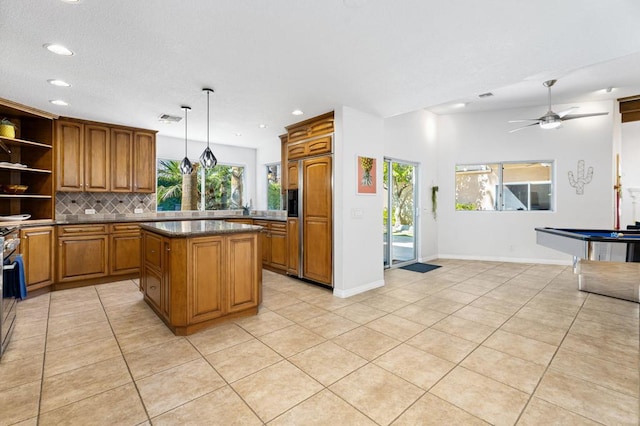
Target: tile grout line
44 359
144 406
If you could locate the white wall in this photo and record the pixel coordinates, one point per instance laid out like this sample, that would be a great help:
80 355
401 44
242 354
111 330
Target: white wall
357 230
412 137
173 149
510 236
630 165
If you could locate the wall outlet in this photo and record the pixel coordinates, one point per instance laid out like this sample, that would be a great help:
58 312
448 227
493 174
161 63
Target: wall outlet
138 210
89 211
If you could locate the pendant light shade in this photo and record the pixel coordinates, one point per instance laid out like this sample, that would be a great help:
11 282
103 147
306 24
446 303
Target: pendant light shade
207 159
185 165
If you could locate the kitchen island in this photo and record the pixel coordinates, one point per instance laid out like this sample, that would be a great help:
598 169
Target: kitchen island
197 273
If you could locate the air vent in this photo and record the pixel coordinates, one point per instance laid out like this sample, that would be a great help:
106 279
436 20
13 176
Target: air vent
166 118
485 95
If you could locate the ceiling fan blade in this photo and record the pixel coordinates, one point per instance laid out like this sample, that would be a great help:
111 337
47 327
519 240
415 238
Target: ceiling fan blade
567 111
523 120
572 116
523 127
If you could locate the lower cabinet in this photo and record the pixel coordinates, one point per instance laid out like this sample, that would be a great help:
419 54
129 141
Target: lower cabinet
124 249
82 252
37 249
273 239
192 283
293 255
93 251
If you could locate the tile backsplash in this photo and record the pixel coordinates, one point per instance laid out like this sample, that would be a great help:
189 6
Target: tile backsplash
74 203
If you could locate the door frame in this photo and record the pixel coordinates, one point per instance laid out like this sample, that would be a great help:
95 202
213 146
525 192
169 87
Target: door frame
416 213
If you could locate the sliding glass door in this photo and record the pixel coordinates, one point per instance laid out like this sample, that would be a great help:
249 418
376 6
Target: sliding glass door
399 213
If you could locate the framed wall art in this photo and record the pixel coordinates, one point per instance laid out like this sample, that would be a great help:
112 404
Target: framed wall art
366 175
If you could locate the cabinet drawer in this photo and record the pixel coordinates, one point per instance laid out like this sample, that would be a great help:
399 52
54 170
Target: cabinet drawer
68 230
152 250
263 223
278 226
121 228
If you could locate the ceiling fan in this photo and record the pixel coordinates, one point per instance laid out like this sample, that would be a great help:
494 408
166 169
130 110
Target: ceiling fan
552 120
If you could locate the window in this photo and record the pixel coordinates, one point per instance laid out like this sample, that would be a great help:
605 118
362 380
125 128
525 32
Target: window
220 188
274 195
505 186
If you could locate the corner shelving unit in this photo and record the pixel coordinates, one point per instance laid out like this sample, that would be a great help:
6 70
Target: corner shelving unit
32 147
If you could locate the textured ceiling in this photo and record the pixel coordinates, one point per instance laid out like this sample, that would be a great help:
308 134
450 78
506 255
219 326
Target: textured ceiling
136 60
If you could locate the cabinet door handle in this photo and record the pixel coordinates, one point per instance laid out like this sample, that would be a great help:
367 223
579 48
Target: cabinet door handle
153 287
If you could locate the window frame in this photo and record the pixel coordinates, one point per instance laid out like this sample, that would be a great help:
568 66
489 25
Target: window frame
499 202
268 184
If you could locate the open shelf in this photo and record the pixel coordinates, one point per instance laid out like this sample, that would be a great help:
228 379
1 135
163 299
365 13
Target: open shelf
25 169
20 142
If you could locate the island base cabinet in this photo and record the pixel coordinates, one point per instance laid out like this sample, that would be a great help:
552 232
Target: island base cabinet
242 293
207 281
201 281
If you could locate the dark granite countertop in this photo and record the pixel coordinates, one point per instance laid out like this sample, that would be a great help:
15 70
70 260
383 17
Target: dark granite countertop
197 228
87 219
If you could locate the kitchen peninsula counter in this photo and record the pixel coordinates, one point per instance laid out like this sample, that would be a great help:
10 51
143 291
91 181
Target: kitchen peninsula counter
196 273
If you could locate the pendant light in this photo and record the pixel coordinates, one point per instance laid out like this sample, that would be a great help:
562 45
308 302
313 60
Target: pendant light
207 159
185 165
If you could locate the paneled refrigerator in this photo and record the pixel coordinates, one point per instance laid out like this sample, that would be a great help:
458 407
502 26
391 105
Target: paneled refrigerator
310 219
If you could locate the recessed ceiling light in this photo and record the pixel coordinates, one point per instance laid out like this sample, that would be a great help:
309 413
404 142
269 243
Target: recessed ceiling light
238 134
609 89
460 105
59 102
297 112
60 83
58 49
263 126
71 1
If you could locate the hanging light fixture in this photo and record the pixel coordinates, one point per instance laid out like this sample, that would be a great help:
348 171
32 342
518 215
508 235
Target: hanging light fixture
207 159
185 165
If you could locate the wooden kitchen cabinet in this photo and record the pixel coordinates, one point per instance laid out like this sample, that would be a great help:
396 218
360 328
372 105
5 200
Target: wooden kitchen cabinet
293 255
69 156
121 160
317 220
32 146
195 282
273 240
124 249
319 145
37 249
279 246
292 175
82 252
97 157
144 162
308 129
154 282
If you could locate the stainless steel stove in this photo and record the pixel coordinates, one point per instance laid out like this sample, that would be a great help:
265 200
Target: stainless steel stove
9 240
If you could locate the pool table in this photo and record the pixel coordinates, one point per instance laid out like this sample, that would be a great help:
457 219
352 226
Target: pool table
606 262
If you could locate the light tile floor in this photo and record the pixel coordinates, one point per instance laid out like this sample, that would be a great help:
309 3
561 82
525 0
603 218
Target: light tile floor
469 343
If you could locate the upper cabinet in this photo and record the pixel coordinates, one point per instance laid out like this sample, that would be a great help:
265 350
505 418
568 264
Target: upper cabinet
96 157
144 159
26 162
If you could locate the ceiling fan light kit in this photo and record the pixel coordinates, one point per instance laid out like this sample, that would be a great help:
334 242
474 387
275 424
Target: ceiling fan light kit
552 120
